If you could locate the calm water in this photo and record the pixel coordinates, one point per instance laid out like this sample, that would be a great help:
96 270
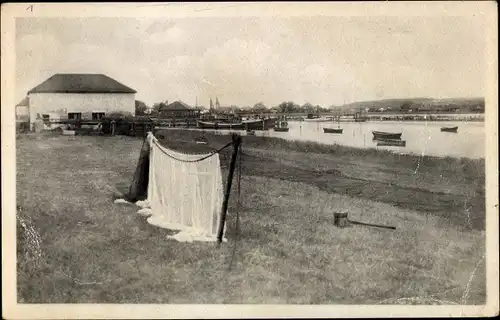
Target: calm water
421 137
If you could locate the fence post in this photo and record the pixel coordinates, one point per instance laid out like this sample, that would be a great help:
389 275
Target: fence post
236 144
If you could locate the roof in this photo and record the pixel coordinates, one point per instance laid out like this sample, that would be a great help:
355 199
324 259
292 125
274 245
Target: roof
24 102
176 105
81 83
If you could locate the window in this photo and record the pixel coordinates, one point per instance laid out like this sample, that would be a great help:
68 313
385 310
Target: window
97 115
46 118
75 115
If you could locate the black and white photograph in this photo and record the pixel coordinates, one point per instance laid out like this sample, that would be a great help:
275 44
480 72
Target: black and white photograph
242 155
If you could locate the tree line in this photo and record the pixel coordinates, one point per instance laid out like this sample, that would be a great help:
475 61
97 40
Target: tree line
285 107
403 106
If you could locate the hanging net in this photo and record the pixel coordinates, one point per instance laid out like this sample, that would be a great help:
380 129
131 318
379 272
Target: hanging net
179 191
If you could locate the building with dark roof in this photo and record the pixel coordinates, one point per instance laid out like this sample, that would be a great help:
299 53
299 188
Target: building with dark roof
179 111
79 96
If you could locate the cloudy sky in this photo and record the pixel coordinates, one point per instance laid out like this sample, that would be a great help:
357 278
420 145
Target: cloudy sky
321 60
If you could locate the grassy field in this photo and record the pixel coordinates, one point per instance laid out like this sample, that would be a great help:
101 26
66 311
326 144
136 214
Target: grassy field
83 248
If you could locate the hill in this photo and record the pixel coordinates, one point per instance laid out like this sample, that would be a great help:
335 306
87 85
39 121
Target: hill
422 104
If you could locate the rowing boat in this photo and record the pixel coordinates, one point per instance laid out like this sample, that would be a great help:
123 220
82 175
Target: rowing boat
386 135
256 124
332 130
449 129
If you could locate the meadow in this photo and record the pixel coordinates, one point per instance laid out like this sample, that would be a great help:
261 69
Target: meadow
83 248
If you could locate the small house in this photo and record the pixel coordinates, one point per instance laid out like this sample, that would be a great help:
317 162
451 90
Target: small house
179 110
79 96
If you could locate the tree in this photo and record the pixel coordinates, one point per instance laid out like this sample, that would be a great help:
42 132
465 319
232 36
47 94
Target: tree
288 107
259 107
309 108
140 108
275 109
155 110
318 108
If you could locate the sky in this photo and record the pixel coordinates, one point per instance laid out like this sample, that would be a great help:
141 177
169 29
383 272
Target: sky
241 61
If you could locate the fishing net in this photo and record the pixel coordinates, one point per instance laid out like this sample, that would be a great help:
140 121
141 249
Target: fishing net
179 191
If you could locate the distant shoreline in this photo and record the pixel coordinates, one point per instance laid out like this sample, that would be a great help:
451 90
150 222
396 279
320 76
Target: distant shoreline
400 120
417 117
315 147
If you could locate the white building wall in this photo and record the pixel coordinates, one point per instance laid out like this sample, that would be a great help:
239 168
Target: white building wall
58 105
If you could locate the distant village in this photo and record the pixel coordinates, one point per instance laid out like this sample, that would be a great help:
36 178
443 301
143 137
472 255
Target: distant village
382 106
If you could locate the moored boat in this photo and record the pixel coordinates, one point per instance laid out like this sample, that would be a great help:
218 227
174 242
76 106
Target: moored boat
281 126
321 119
386 135
449 129
337 130
255 124
333 130
391 143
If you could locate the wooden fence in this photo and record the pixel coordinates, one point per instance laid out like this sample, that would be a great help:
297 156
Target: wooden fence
129 127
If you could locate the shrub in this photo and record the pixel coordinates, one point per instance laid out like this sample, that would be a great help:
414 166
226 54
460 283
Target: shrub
22 127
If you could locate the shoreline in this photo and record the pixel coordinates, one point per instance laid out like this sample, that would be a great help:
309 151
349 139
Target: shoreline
394 120
391 120
440 186
304 145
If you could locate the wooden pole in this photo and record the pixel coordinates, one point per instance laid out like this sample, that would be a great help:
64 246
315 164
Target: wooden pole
236 144
372 225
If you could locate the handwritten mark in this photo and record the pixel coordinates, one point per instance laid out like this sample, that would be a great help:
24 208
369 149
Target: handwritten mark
30 8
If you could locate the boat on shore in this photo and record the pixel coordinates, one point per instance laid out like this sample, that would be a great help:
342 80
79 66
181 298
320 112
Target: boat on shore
386 135
254 124
333 130
449 129
391 143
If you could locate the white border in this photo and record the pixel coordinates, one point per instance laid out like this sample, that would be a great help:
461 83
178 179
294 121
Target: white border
12 310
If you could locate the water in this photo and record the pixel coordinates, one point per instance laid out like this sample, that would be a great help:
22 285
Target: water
421 137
